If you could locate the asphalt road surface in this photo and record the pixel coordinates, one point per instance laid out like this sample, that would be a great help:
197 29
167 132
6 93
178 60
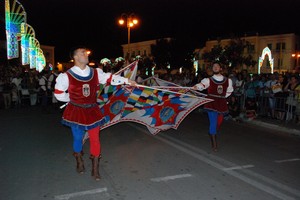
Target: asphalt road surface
36 161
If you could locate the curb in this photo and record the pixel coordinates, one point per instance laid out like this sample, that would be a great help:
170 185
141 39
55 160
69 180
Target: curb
291 131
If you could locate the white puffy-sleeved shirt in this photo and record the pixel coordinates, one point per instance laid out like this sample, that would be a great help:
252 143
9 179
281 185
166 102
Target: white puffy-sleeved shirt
204 84
62 81
43 83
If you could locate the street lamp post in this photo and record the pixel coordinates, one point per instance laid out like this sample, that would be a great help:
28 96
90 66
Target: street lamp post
131 21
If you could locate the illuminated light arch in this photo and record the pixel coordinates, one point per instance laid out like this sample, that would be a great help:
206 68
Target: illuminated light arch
40 60
266 51
26 33
34 45
18 30
14 16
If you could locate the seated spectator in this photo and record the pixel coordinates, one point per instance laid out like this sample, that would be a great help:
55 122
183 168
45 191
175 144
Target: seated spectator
234 108
250 109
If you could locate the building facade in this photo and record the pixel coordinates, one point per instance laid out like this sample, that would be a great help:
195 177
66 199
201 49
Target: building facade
139 48
273 53
49 53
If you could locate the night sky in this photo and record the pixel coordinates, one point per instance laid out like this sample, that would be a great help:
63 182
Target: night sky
93 23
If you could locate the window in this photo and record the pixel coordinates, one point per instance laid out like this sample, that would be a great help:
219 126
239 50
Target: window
280 46
251 48
279 61
270 46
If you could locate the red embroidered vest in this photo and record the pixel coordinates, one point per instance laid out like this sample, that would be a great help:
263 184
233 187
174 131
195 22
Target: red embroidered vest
83 90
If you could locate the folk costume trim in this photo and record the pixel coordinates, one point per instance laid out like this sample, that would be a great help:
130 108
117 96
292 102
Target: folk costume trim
218 82
83 126
81 78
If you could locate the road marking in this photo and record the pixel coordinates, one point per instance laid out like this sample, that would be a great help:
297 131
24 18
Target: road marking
235 174
238 167
167 178
287 160
78 194
272 187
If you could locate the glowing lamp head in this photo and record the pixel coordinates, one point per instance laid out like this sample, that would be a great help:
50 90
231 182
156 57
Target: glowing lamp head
135 21
121 21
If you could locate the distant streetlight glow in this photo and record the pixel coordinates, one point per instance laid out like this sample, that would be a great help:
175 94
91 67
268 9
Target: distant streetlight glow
296 56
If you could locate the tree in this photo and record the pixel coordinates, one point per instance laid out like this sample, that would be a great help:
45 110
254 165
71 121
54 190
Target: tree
162 52
172 52
231 55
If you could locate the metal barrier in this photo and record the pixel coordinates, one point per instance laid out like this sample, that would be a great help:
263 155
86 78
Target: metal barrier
281 106
277 106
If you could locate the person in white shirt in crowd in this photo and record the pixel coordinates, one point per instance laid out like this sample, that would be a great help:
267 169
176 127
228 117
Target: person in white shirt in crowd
268 88
16 83
51 84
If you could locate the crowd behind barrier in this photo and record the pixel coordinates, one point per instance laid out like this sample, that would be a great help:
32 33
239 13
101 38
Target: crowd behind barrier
275 96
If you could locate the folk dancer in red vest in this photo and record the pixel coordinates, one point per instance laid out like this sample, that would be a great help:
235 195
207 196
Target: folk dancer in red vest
218 88
78 87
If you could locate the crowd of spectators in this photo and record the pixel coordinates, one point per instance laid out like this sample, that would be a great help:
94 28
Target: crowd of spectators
276 95
21 87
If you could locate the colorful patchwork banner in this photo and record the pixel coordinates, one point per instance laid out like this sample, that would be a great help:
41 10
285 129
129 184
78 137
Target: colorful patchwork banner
157 109
129 71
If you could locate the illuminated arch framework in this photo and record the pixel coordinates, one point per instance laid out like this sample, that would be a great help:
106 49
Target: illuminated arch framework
14 16
18 30
27 32
266 51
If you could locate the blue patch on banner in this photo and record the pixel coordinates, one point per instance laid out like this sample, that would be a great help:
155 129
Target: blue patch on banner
116 107
166 113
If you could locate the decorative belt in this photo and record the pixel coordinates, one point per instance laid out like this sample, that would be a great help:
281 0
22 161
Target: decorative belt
218 96
84 105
